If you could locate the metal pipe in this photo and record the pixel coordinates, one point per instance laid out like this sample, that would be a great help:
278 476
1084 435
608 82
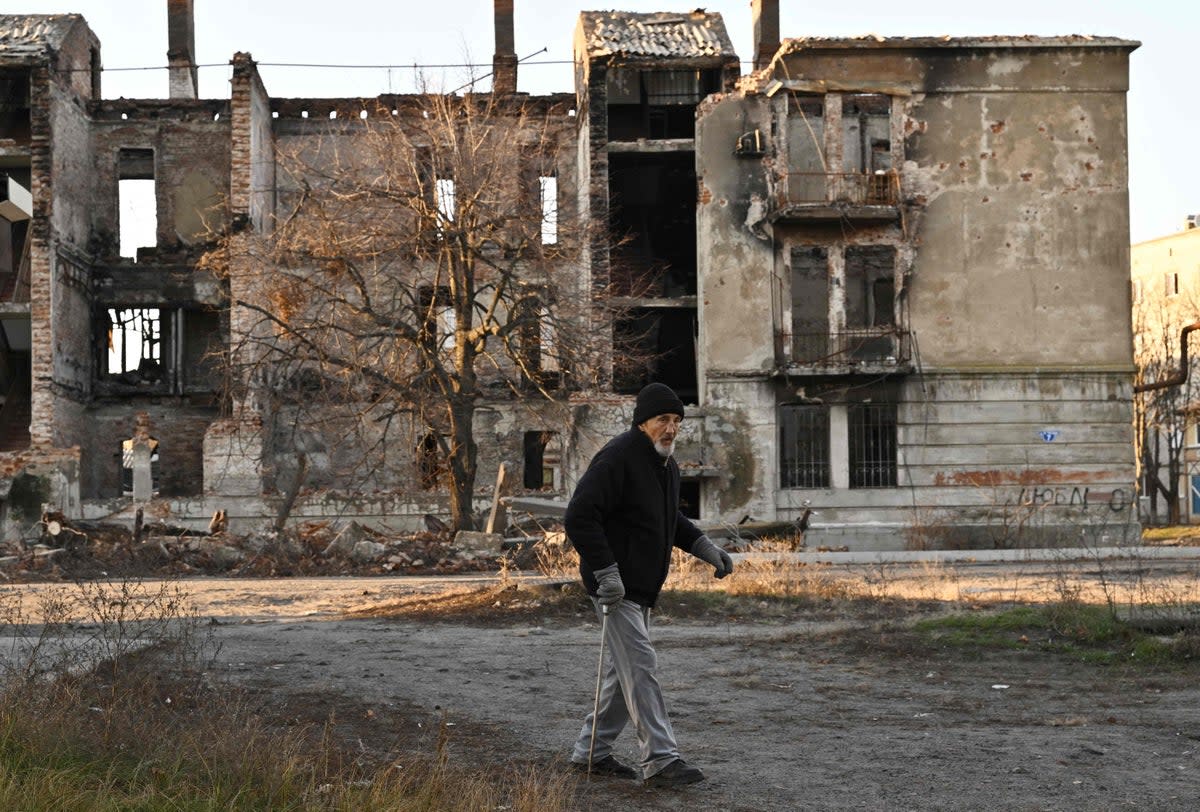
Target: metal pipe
1178 377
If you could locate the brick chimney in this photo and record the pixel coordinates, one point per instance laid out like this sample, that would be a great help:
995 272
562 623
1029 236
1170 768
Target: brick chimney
181 49
504 63
765 16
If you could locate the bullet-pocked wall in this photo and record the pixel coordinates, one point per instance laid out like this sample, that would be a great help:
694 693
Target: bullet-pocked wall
921 220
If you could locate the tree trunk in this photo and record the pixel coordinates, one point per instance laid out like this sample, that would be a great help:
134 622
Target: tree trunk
289 498
463 461
1173 490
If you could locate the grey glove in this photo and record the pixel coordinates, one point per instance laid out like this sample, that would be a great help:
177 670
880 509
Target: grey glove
705 550
609 588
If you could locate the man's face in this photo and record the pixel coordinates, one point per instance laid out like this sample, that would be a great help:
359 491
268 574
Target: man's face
662 430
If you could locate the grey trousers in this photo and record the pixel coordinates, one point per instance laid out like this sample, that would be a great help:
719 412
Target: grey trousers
629 692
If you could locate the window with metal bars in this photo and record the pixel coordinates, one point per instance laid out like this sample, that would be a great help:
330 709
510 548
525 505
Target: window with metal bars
872 445
804 445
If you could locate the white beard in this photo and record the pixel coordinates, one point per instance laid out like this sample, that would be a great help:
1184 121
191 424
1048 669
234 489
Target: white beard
664 449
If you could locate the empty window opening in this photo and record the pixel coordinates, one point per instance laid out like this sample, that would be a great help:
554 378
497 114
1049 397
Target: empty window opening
96 70
543 461
537 344
548 189
155 349
128 462
881 157
440 320
135 343
443 189
689 498
137 201
1171 284
653 218
549 360
870 285
866 129
447 324
16 204
872 444
656 103
810 304
202 353
804 446
15 119
806 149
431 462
656 345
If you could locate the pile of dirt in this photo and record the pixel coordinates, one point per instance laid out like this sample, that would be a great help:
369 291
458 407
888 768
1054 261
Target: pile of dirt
501 604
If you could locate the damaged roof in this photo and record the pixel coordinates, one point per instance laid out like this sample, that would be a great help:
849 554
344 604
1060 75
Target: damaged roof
656 34
31 34
947 41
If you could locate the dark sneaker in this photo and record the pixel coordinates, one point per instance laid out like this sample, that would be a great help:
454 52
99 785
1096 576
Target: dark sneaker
608 767
675 774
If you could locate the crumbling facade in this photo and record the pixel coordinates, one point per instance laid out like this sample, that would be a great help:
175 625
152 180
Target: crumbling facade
888 277
914 283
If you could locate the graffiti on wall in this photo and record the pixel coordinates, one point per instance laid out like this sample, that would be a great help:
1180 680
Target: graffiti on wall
1117 500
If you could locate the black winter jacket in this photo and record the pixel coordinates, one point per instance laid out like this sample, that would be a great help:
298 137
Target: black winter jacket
625 510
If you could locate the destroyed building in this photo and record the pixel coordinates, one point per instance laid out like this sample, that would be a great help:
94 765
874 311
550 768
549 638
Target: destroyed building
888 277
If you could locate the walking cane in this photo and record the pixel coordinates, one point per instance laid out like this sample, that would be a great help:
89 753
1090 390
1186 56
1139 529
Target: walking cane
599 672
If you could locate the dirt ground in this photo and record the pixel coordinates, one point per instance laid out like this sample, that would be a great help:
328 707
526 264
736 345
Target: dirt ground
830 704
817 709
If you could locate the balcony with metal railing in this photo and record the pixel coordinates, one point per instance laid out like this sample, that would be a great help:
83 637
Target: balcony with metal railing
824 196
873 350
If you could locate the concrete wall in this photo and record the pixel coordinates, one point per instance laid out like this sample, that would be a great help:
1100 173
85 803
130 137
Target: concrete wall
1026 221
995 461
1011 240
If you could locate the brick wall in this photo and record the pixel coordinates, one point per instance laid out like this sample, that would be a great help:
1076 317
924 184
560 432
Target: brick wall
41 427
179 429
190 140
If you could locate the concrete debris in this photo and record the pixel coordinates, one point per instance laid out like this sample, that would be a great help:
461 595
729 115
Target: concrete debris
475 542
365 552
93 549
225 557
345 541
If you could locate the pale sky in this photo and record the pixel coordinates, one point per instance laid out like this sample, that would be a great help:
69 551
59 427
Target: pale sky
133 33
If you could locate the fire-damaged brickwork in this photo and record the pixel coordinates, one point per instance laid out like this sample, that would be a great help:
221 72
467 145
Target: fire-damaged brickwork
887 276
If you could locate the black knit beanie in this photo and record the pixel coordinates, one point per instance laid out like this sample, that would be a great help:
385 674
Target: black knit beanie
656 399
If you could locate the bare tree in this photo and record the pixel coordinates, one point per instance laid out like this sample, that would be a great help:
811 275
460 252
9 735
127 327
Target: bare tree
418 265
1161 416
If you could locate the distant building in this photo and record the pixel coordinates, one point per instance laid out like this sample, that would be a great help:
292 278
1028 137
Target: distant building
887 275
1166 299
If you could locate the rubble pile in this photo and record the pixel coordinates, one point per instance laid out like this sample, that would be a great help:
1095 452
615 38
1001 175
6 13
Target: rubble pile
80 549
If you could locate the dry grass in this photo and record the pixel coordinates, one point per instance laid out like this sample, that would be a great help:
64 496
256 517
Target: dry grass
118 711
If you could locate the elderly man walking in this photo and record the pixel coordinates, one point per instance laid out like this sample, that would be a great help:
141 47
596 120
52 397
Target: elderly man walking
623 519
